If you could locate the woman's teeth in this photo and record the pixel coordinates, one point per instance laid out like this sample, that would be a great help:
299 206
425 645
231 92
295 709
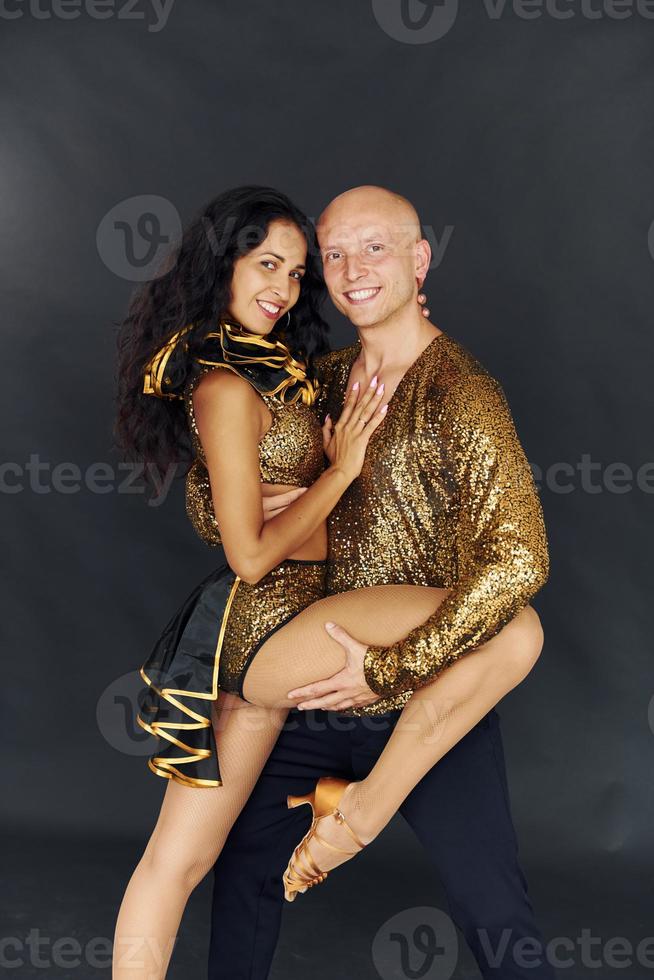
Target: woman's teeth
269 308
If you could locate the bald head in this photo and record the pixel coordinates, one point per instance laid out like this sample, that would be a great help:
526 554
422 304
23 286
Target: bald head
374 200
374 255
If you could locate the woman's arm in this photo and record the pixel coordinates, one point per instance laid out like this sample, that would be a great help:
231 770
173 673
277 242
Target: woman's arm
231 422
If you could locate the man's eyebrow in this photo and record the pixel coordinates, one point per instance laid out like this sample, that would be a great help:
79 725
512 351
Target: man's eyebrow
281 258
374 235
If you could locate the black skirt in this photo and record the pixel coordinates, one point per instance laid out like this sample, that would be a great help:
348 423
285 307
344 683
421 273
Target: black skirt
182 678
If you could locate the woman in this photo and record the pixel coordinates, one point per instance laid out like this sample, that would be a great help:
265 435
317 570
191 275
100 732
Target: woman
229 331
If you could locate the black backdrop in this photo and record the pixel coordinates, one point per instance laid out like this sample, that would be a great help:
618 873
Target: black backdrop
525 140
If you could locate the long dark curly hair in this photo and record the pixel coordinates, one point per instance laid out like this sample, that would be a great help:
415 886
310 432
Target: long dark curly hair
196 288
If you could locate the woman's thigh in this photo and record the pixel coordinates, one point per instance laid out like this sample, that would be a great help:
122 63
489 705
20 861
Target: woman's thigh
302 651
193 822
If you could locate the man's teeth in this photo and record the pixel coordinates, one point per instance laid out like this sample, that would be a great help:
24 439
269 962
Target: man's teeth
269 307
360 294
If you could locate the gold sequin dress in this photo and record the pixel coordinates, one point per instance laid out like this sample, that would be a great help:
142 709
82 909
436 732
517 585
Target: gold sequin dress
446 498
213 637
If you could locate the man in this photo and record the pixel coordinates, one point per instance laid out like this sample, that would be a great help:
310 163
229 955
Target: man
446 499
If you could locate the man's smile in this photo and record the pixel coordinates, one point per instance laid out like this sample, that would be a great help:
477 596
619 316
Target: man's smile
358 296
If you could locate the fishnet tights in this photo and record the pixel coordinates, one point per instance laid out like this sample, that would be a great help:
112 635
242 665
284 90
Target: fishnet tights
194 822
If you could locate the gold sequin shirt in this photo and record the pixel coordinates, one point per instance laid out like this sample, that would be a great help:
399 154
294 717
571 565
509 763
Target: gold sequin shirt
446 498
290 452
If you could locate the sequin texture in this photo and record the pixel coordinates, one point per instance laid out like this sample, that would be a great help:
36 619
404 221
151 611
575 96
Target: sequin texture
290 452
446 498
259 609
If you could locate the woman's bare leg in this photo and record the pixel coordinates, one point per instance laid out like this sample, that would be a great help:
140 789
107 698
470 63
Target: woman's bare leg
435 718
189 835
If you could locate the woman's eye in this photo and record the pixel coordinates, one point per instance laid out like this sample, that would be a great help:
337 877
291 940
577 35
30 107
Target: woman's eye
375 248
297 275
268 263
333 256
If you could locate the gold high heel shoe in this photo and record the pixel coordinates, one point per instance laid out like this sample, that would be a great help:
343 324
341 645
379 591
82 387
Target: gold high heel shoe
302 872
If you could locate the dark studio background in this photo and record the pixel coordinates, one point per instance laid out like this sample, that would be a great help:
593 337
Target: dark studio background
531 140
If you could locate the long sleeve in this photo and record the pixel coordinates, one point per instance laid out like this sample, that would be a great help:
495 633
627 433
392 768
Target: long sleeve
499 533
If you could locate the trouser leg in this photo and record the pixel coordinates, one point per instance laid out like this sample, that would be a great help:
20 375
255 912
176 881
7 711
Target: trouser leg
460 812
248 895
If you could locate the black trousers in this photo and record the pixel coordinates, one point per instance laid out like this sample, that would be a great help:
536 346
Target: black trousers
459 811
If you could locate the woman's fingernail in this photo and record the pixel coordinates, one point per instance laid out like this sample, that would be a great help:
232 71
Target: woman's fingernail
373 383
328 626
380 390
383 409
327 417
355 386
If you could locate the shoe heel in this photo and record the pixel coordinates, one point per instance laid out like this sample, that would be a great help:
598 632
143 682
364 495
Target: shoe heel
293 801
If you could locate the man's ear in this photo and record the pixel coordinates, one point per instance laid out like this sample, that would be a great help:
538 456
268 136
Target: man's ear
423 260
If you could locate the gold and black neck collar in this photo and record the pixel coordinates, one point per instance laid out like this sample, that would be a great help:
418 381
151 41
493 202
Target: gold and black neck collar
267 364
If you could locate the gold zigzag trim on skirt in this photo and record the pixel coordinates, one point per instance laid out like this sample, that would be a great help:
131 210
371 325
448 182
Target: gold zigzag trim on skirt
166 767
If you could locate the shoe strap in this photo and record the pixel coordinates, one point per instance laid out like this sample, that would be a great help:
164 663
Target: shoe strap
340 819
303 863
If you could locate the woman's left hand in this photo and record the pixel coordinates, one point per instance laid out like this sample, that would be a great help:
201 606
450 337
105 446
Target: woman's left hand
346 689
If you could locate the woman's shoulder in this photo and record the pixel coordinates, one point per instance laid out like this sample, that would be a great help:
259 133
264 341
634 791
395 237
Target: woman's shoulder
221 381
220 390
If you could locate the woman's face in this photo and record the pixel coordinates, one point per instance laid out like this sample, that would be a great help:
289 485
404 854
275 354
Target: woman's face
266 281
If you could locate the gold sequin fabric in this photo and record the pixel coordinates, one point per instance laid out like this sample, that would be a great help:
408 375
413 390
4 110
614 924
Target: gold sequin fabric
446 498
290 452
207 645
259 609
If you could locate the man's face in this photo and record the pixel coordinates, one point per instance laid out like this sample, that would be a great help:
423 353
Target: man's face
369 260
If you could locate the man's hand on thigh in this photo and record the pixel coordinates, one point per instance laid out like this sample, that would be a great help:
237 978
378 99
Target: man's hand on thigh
346 689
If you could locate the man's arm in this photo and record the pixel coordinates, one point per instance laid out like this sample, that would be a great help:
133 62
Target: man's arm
501 544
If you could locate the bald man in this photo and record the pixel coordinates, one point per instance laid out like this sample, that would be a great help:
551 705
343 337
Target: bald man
445 499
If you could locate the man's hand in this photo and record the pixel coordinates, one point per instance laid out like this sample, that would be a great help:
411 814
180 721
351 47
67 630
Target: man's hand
347 688
275 501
